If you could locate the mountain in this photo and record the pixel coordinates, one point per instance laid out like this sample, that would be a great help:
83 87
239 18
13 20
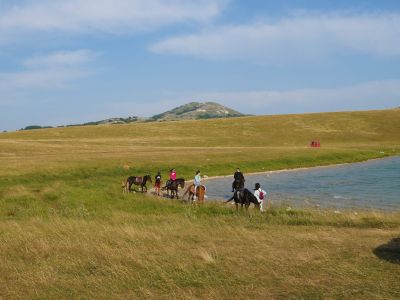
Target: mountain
197 110
192 110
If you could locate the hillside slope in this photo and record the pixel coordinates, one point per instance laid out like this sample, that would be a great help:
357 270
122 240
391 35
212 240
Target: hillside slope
255 143
197 110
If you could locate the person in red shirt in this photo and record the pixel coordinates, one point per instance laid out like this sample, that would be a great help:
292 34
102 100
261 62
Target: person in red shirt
157 183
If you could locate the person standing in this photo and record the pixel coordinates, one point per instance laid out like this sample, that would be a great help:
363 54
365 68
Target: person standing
157 183
260 194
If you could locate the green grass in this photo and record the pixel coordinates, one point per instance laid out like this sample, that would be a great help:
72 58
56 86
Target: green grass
68 231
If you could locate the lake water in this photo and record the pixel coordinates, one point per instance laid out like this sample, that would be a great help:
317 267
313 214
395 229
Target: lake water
373 184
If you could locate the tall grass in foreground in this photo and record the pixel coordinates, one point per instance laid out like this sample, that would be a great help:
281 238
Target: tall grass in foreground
141 247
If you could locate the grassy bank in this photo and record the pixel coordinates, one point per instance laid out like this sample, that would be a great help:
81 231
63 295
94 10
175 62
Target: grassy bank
67 231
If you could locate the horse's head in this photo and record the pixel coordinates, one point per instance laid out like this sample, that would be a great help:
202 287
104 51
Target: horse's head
250 198
148 177
201 191
181 182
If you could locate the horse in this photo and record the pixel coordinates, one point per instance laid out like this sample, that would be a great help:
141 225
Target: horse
173 186
244 197
136 180
238 184
200 193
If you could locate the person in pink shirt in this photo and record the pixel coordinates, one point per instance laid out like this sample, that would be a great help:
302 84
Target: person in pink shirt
172 175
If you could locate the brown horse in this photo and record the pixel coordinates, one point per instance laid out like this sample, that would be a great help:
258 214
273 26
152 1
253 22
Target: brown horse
136 180
200 193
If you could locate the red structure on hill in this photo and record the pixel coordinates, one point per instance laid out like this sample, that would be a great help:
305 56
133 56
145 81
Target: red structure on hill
315 144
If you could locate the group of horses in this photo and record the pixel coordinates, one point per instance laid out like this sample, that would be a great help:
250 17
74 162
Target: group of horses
241 195
171 187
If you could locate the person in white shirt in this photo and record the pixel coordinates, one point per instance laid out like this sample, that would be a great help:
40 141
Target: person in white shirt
260 194
197 183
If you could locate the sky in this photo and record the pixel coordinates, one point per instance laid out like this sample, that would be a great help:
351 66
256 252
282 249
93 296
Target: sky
74 61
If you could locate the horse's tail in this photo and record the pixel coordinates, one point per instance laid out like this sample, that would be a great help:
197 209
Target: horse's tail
187 191
125 185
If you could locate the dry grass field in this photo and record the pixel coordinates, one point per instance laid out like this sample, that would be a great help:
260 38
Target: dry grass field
67 231
217 146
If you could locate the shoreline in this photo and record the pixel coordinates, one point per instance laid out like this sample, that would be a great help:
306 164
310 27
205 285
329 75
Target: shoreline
295 169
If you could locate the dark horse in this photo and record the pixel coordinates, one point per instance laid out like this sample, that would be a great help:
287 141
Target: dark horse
238 184
244 197
136 180
173 186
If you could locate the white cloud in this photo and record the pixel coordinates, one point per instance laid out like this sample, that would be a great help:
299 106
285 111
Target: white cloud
48 78
363 96
299 37
52 71
367 95
61 58
103 15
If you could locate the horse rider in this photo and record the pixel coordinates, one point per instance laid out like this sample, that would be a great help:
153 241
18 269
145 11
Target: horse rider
172 177
238 178
260 194
157 183
197 183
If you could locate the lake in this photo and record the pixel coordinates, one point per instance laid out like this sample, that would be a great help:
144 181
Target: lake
373 184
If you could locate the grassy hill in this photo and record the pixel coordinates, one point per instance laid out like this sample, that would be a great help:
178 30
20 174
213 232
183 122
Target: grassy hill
216 146
67 231
189 111
197 110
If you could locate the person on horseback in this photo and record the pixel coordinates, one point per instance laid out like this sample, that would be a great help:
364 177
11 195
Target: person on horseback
238 180
260 194
157 183
172 177
197 183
